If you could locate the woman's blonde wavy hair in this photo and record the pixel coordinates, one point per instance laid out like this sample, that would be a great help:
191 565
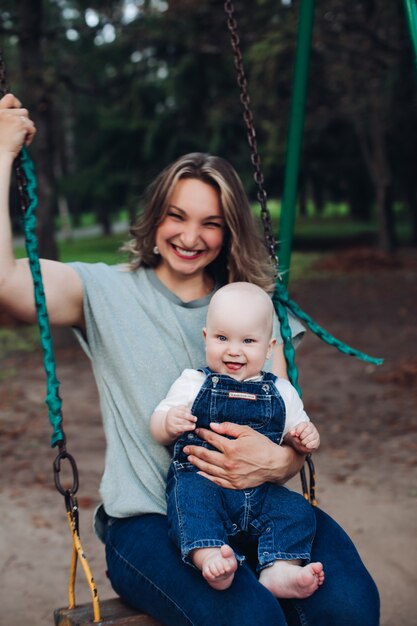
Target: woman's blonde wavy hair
243 256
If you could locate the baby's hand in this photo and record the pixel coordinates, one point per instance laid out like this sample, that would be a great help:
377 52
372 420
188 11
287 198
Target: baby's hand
305 437
179 419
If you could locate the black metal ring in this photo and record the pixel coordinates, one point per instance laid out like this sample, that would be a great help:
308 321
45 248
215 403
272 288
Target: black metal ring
57 468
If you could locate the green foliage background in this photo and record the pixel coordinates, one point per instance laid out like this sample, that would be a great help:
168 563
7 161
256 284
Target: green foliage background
133 84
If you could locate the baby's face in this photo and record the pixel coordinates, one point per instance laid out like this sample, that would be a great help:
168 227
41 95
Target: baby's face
237 345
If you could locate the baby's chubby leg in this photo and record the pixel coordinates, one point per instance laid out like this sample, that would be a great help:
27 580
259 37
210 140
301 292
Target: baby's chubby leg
287 579
218 565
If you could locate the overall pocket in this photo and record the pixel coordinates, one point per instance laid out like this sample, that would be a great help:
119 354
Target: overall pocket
250 409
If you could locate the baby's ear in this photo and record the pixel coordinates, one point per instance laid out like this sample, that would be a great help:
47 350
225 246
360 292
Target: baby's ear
204 334
271 346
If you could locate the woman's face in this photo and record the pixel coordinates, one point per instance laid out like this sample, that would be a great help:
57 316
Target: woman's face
191 234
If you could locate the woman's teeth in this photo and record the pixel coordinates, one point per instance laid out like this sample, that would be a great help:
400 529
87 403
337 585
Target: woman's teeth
186 252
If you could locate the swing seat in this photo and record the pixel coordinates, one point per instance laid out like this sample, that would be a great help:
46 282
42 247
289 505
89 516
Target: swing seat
113 612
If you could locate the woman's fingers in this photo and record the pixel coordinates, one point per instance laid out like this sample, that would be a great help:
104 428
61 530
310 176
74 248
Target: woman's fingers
16 130
246 460
9 101
29 129
12 112
221 482
206 460
217 441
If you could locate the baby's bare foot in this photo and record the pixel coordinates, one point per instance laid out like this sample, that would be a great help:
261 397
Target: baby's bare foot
284 579
218 565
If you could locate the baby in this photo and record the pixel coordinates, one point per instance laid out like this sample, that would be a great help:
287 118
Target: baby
204 518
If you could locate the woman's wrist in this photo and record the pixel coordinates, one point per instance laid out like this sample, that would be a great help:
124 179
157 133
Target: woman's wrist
6 158
285 464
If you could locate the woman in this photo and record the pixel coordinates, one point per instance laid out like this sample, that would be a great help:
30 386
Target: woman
141 326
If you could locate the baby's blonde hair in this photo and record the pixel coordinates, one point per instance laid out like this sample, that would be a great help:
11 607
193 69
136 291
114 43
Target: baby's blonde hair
248 295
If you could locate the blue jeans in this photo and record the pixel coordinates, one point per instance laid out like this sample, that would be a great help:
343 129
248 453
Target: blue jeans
146 570
203 515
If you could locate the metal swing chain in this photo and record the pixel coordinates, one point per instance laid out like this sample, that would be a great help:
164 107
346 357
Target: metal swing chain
270 241
250 130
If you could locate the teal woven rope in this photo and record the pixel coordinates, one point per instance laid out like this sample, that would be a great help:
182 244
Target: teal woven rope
289 351
52 399
281 300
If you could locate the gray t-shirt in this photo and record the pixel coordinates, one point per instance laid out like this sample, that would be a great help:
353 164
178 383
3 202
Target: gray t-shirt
140 337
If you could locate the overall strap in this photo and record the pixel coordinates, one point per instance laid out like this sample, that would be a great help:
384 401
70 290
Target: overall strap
269 377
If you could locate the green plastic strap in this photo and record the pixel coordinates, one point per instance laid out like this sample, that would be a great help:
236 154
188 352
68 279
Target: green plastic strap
52 399
282 300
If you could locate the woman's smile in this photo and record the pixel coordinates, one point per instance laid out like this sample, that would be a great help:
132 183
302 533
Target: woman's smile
187 254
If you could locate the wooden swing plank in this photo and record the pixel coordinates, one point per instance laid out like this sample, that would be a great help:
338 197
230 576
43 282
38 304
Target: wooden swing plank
113 613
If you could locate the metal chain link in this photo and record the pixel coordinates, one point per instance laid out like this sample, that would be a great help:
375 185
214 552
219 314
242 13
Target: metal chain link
309 493
250 129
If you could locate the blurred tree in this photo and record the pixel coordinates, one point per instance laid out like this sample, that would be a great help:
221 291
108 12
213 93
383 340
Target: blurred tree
166 86
362 44
403 142
120 88
24 22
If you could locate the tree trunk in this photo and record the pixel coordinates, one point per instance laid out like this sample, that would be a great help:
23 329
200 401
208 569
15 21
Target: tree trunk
387 239
302 195
103 217
39 102
383 182
65 164
371 136
317 192
412 207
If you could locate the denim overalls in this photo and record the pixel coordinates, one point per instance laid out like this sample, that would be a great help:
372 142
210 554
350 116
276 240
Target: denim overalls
201 514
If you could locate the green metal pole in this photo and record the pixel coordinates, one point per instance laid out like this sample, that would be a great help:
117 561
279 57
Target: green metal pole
410 8
288 208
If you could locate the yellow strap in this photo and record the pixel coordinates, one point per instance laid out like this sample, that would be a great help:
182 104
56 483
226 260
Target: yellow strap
78 552
73 573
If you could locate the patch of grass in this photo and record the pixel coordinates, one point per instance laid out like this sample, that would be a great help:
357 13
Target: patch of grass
332 224
7 372
302 265
92 250
89 250
90 219
331 210
331 227
22 339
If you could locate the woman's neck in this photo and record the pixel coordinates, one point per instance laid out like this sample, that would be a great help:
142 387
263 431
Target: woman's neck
186 288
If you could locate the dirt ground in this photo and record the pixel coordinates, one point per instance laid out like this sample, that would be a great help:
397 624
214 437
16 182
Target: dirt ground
366 466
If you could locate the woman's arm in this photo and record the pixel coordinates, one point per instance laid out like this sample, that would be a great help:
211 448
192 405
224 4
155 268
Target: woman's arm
248 460
279 364
63 287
